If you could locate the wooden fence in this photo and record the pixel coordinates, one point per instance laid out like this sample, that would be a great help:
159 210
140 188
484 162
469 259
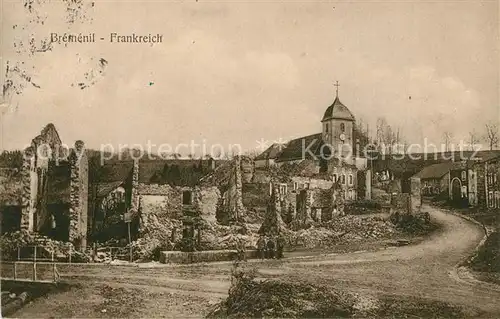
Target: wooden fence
37 267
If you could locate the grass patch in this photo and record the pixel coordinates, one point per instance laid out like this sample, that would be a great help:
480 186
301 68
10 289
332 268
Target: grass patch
412 307
488 257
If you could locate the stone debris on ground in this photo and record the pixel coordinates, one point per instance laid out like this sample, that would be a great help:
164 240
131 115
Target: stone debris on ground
342 229
217 237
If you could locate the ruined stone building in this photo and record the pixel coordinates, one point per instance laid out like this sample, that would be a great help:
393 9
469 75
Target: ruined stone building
48 193
165 194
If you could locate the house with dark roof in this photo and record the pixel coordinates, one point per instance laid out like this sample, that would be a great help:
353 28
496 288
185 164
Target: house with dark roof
435 179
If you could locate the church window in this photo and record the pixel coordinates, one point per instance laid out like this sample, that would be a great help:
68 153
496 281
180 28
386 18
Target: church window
343 179
342 127
464 176
295 186
283 189
351 180
327 128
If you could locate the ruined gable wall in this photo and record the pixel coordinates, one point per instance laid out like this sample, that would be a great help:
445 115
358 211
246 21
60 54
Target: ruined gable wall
233 197
162 201
206 201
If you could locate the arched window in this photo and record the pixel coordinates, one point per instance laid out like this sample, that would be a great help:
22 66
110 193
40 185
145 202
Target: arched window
342 127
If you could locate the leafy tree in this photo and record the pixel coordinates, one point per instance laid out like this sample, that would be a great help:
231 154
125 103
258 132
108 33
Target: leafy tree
12 159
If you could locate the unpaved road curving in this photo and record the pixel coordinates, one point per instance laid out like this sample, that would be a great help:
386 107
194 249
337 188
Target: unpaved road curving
423 270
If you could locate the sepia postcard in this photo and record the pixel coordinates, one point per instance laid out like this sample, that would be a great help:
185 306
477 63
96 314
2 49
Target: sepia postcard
250 159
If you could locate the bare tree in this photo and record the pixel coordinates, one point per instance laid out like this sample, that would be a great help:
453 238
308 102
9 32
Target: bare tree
492 134
386 137
448 138
473 139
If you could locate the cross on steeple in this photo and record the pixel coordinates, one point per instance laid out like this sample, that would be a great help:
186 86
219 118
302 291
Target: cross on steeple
337 88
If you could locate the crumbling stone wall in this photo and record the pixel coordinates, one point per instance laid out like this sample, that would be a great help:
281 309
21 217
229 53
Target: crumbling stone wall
206 202
401 203
27 202
159 202
134 197
233 196
163 202
78 209
313 182
303 217
273 223
415 196
247 169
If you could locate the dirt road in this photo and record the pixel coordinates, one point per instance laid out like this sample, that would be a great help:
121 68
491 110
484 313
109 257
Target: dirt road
423 270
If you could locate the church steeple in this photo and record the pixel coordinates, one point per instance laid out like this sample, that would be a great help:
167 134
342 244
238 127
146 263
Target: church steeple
338 124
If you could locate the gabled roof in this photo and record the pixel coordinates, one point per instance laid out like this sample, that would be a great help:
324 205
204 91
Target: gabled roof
435 171
298 149
338 111
490 157
179 172
271 152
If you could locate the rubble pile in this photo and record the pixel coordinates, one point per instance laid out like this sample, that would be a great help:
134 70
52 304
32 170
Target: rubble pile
10 242
342 229
356 227
215 236
156 235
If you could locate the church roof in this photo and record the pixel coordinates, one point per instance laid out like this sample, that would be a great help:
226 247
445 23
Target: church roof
271 152
294 150
338 111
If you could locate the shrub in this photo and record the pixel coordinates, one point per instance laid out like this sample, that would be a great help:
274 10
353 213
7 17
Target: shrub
413 224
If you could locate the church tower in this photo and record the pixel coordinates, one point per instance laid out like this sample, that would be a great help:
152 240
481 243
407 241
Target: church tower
338 128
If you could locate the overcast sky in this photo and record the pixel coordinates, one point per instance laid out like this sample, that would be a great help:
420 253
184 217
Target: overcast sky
237 72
